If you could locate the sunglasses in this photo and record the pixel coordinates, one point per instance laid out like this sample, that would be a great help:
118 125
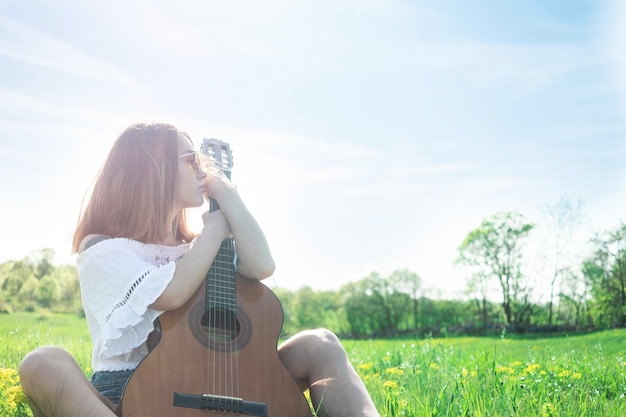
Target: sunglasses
193 161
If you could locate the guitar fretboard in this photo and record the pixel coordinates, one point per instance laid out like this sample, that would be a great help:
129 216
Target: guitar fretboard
221 291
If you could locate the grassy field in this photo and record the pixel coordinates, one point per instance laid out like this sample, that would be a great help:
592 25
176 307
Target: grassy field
556 376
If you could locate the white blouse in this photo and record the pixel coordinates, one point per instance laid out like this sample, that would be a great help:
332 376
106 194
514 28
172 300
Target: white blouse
119 279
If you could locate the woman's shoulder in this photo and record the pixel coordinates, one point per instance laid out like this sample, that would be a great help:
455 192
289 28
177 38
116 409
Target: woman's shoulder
90 240
144 250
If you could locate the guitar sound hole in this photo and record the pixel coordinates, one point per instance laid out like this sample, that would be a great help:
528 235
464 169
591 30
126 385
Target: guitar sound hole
220 325
220 329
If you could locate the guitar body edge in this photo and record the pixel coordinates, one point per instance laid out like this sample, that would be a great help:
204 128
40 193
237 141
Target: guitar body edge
183 362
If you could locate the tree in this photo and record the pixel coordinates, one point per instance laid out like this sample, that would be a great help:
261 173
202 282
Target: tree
315 308
35 282
495 248
478 284
606 271
17 273
409 283
575 291
562 219
28 293
363 310
47 291
305 309
375 304
42 262
69 288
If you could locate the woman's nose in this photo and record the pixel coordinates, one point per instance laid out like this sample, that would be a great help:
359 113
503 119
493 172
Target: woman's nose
201 174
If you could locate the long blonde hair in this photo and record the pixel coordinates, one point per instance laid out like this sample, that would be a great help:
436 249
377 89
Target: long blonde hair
133 193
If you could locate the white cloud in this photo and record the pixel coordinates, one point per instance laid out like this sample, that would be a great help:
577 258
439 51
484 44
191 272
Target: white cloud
616 45
490 186
35 47
432 169
26 104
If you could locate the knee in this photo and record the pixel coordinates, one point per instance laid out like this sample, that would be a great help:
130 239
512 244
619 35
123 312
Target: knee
41 363
325 336
322 343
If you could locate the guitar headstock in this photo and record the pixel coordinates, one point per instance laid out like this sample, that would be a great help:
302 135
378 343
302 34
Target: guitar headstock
219 154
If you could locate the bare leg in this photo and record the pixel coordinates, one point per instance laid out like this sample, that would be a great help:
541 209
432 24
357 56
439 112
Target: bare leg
318 358
56 386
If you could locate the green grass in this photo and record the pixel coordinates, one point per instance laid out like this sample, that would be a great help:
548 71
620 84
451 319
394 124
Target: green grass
565 376
22 332
540 376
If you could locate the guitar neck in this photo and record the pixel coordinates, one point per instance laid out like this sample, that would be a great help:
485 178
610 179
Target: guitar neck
221 291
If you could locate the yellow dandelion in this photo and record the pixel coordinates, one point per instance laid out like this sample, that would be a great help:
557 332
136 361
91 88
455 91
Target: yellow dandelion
390 384
577 375
433 365
505 369
516 363
530 369
14 395
8 374
367 366
564 373
394 371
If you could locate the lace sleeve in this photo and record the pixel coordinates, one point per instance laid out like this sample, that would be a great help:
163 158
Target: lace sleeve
118 286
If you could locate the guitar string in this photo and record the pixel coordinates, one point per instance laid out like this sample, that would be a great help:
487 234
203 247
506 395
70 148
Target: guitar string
224 297
233 327
225 294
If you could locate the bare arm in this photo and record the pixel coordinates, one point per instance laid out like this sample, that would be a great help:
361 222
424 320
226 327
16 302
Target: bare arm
233 219
253 252
191 269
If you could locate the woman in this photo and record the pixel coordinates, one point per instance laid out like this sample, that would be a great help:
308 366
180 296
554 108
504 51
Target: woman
130 240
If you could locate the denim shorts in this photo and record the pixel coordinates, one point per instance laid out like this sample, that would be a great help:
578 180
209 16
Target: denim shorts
111 383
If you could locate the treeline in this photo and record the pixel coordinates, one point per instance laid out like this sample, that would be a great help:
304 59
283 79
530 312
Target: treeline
35 283
570 291
377 306
588 293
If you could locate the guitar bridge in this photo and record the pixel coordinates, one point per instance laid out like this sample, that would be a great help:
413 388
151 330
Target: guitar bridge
212 402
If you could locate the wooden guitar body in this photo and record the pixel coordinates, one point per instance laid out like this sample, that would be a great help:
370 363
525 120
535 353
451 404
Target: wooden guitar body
189 362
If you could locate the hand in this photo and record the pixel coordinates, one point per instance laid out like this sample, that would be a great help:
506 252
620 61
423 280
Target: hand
216 224
216 184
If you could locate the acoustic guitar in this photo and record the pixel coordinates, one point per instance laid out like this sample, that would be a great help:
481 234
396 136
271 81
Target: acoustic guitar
216 355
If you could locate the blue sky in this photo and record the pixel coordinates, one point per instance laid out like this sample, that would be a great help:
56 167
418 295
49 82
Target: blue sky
367 135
